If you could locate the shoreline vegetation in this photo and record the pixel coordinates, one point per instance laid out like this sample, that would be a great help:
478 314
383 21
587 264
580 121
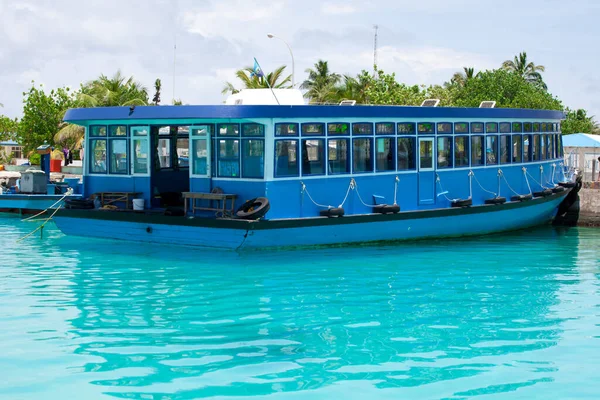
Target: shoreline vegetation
517 83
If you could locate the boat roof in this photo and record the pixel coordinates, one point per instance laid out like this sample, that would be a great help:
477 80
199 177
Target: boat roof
191 112
581 140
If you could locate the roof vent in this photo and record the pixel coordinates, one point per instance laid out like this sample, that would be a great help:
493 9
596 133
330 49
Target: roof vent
430 103
487 104
347 102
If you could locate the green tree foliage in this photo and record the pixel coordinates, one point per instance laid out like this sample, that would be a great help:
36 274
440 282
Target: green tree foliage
321 85
115 91
526 69
249 80
460 78
157 87
8 128
42 115
508 89
577 121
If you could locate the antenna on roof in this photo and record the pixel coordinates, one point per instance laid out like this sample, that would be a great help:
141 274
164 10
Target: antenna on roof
430 103
376 27
487 104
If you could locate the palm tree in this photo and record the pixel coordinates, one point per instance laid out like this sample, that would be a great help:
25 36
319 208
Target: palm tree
250 80
321 83
70 135
353 89
115 91
527 69
461 78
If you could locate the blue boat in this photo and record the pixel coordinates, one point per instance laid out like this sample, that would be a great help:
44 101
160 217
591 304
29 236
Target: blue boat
246 175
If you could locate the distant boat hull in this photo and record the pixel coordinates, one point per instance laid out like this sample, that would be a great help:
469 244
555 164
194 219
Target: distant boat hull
237 234
29 203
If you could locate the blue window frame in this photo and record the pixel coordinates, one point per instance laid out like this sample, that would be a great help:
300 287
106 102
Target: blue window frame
504 127
536 126
527 148
362 128
476 127
256 130
477 153
117 131
313 129
97 130
253 158
444 152
517 127
543 127
338 160
228 129
491 127
385 154
385 128
228 158
491 150
406 128
286 129
461 127
517 148
461 151
527 127
98 159
426 128
444 127
118 149
286 158
338 128
505 149
362 155
406 153
313 157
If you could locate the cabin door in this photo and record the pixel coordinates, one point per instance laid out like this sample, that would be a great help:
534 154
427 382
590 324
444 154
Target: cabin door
201 171
426 175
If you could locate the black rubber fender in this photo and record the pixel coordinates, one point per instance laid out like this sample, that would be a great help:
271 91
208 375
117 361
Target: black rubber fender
543 193
522 197
558 189
567 184
496 200
332 212
386 209
462 203
254 209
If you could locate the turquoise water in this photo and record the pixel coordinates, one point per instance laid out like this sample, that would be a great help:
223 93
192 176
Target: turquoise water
511 316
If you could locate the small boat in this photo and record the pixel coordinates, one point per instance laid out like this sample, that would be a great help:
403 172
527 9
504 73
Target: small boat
253 174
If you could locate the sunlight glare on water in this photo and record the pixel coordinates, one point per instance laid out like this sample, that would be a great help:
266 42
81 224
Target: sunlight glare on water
507 316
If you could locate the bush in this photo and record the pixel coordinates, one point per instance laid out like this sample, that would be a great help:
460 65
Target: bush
35 159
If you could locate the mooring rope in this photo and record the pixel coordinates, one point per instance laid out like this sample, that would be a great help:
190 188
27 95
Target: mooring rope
360 198
41 227
501 174
443 192
535 180
396 189
305 190
67 193
527 180
471 173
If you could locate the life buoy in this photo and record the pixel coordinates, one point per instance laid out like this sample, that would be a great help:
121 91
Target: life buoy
332 212
462 203
542 193
254 209
567 184
386 208
521 197
558 189
496 200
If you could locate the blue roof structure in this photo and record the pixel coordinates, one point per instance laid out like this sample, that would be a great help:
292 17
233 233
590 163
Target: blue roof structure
581 140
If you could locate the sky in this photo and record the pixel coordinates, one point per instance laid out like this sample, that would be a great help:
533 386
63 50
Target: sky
195 46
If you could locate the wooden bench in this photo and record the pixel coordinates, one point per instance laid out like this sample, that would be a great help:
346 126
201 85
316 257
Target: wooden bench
108 198
221 199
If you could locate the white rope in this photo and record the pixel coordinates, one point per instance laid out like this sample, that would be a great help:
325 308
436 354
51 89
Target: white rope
39 227
305 190
443 192
500 173
553 174
499 181
360 198
527 180
67 193
471 173
350 187
535 180
396 189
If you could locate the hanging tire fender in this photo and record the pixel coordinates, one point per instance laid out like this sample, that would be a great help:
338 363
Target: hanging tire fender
253 209
386 209
462 203
332 212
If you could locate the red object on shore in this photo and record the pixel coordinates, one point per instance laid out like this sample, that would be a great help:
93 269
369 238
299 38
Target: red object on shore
55 165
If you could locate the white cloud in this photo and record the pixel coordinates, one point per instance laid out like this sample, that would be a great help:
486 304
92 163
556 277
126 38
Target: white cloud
337 8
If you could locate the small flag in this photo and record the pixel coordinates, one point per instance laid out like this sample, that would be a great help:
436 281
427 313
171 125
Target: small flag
256 71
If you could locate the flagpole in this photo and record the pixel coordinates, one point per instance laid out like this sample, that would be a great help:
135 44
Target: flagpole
267 81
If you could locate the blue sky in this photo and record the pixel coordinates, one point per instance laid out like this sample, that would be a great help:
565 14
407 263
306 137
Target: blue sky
66 42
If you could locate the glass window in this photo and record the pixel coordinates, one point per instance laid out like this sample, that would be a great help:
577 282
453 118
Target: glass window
504 127
97 130
535 151
98 156
527 140
491 150
385 128
425 154
517 146
505 149
425 127
444 152
228 129
362 129
313 157
406 153
491 127
140 156
164 130
338 129
527 127
476 150
183 152
200 148
362 155
461 151
202 130
543 127
253 130
313 129
461 127
287 129
406 128
253 158
118 157
536 126
444 127
338 156
228 164
477 127
164 152
286 158
517 127
139 130
543 147
555 145
549 145
561 150
385 154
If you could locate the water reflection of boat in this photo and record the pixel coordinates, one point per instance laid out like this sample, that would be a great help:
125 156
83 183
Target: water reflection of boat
393 173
